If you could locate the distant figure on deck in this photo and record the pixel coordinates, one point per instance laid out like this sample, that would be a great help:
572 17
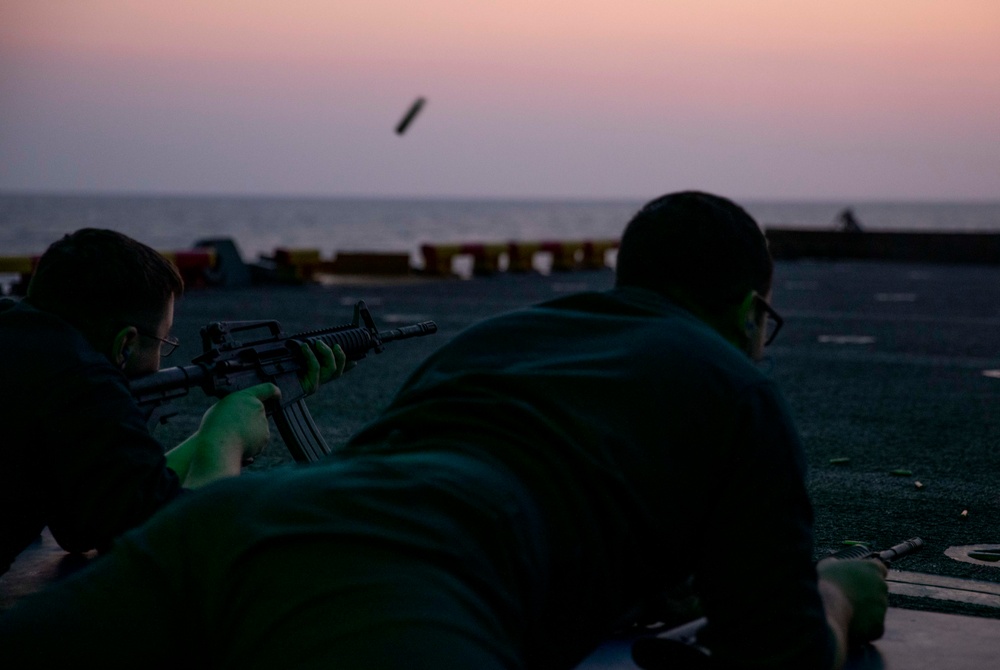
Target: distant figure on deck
75 453
849 223
533 487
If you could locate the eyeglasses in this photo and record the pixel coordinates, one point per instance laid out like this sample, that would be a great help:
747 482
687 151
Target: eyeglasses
773 320
167 344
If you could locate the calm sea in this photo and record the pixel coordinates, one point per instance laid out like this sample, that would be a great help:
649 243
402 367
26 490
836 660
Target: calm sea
28 223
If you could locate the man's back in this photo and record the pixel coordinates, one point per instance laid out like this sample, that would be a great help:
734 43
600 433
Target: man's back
624 415
533 483
67 413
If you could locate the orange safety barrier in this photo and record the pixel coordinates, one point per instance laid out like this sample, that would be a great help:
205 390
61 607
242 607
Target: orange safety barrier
565 255
438 257
369 263
521 255
485 256
297 266
19 265
595 253
195 266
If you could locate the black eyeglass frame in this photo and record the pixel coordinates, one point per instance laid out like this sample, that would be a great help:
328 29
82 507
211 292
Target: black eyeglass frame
171 342
770 313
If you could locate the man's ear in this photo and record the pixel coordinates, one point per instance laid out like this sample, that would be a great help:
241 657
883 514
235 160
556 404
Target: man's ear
123 344
745 314
730 321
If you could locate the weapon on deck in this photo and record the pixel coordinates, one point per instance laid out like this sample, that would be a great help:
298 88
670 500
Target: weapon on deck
887 556
679 647
228 364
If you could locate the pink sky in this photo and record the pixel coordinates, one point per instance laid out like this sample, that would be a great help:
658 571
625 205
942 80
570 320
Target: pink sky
752 98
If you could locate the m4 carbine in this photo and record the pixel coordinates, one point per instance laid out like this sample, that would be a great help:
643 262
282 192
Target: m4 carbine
229 364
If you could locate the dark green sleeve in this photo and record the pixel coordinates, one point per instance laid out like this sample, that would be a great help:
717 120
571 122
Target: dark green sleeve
107 473
756 575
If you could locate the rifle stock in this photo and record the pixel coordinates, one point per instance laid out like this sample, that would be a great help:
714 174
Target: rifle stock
228 364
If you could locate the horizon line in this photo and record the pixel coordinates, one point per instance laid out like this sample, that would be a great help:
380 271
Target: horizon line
445 197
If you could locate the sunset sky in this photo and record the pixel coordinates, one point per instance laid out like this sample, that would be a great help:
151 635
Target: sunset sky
797 99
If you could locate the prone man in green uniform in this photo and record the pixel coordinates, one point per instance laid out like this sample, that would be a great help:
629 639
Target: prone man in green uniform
532 487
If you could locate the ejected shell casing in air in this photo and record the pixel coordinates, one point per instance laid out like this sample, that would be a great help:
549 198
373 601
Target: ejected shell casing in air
410 115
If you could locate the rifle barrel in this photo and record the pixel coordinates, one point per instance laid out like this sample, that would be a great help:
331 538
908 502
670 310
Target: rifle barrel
901 549
416 330
887 556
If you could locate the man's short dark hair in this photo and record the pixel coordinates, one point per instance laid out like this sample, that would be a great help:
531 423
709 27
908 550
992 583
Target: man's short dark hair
101 280
705 245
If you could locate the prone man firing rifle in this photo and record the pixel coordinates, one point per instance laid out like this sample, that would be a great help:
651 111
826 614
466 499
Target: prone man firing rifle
229 363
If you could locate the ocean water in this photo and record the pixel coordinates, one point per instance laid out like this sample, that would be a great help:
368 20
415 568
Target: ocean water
259 225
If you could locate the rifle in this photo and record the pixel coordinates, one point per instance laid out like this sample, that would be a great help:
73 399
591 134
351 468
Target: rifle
679 647
887 556
228 364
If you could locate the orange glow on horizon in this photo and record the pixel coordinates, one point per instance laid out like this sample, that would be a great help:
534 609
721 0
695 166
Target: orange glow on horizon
265 28
768 73
760 55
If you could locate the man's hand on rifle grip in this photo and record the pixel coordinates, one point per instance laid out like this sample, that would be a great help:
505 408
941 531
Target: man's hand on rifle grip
856 594
232 431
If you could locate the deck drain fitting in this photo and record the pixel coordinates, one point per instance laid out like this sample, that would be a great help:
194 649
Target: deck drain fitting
978 554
